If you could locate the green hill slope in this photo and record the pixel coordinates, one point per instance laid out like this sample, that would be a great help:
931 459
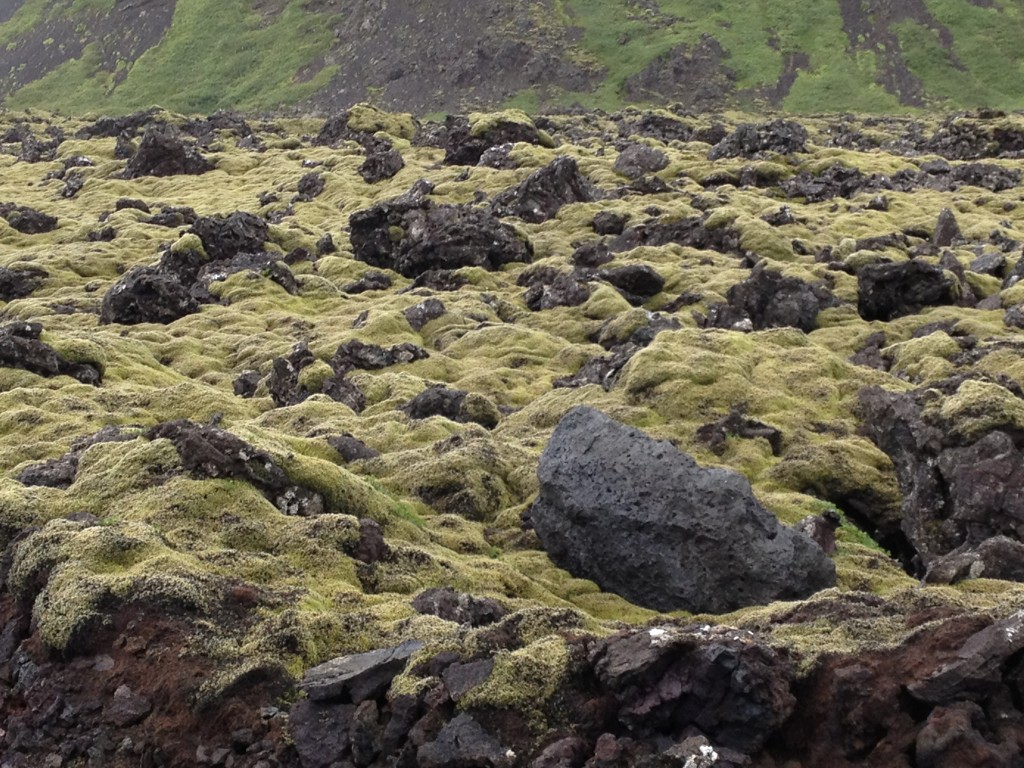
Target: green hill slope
429 55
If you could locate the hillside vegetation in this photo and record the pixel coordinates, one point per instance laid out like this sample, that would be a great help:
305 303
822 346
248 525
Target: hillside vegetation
430 55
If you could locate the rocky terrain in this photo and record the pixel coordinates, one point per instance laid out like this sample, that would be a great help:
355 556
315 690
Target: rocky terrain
576 441
425 56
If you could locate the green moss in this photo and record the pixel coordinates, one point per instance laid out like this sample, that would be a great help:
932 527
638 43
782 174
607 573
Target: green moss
924 359
979 407
524 680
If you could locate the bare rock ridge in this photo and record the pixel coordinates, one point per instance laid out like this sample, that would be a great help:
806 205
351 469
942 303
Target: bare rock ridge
643 520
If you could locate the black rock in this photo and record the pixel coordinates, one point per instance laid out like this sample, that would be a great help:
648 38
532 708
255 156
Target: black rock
770 300
447 604
455 404
369 357
309 186
636 282
644 521
226 236
411 235
356 678
208 451
778 136
545 191
420 314
60 473
720 681
609 222
352 448
321 732
146 295
371 281
27 220
465 146
162 152
246 383
550 288
636 160
946 229
19 283
888 291
463 743
124 203
21 347
382 161
736 424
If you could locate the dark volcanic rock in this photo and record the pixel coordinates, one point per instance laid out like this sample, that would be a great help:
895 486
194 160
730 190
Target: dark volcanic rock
411 235
770 300
734 690
162 152
321 732
146 295
464 145
779 136
960 486
736 424
636 282
369 357
946 229
636 160
888 291
60 473
351 448
226 236
354 679
454 404
463 743
560 289
545 191
27 220
382 161
21 347
19 283
609 222
447 604
644 521
999 557
308 187
207 451
371 281
420 314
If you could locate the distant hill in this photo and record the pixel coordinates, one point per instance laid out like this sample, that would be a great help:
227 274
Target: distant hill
436 55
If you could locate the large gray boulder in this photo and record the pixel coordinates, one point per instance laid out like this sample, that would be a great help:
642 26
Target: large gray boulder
643 520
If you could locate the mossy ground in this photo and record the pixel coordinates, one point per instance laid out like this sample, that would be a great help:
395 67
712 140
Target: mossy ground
449 495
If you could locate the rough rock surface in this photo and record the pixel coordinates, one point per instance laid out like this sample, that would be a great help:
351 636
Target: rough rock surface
962 482
644 521
887 291
162 152
412 235
545 191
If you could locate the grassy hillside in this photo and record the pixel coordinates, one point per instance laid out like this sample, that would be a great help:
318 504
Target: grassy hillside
430 55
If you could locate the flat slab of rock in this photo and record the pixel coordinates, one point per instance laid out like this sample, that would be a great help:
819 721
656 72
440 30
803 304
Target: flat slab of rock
643 520
360 676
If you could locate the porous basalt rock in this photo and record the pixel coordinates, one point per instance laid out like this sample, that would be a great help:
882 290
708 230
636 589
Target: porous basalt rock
382 161
18 283
888 291
644 521
412 235
749 140
545 191
27 220
208 451
958 464
162 152
636 160
768 299
146 295
21 347
465 143
455 404
224 237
